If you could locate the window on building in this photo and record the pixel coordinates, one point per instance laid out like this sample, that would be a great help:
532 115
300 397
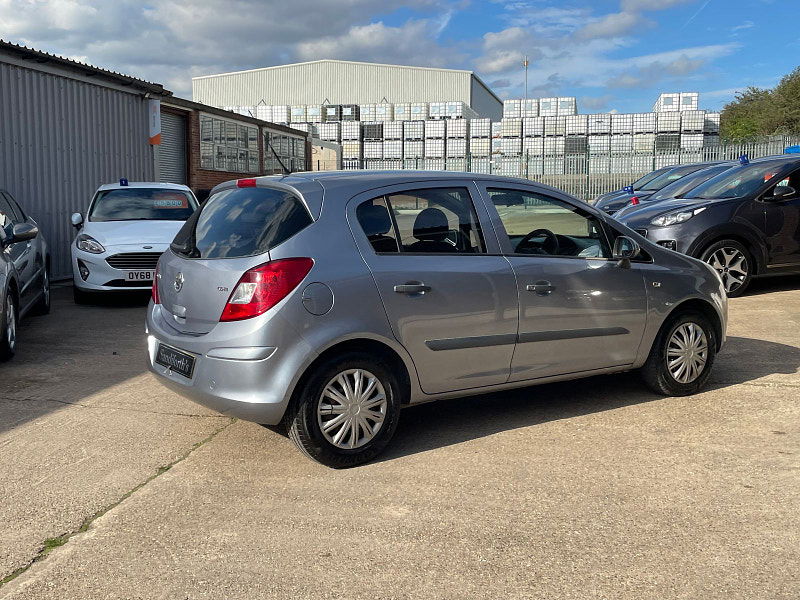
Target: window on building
228 146
290 150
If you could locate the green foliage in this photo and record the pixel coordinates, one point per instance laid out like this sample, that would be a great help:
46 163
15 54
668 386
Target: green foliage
759 112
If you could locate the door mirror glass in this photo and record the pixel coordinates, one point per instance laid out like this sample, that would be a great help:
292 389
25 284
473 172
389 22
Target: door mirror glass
76 219
782 191
625 248
23 232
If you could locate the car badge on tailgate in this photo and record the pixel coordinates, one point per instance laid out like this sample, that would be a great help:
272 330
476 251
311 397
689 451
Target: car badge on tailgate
178 282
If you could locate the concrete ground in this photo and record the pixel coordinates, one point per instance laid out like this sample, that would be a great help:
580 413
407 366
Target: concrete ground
113 487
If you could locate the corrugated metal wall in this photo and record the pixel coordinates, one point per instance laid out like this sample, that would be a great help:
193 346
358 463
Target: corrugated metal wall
338 82
61 138
172 151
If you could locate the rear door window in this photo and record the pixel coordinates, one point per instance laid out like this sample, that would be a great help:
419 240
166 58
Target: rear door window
239 222
423 221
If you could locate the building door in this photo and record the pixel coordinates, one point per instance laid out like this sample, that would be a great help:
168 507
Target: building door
172 152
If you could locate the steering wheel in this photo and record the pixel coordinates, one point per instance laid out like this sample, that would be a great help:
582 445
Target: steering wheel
549 246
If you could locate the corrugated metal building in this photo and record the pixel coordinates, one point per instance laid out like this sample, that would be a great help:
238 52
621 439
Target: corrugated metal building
346 82
67 127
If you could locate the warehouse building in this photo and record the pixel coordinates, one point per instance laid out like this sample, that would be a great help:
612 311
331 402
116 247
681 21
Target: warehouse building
68 127
337 82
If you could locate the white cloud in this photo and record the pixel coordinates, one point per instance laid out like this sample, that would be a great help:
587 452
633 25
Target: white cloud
613 25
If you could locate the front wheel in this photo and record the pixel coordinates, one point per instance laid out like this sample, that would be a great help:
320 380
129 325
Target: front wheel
734 264
682 356
8 328
347 412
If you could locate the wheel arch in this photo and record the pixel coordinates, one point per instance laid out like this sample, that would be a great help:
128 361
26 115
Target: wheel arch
737 234
359 344
706 309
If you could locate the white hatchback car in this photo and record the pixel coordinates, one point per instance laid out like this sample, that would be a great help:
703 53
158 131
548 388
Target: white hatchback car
127 228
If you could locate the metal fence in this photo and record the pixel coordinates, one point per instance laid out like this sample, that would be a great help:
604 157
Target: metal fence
584 176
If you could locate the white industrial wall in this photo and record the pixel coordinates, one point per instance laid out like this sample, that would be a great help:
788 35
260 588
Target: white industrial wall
61 138
339 82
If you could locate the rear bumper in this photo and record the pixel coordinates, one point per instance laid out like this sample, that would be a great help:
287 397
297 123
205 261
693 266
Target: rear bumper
254 388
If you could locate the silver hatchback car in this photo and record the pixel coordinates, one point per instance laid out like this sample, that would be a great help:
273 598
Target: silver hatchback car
327 301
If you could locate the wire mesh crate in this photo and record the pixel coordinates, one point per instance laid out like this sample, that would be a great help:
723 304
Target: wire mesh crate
511 128
458 128
351 130
393 130
393 149
456 147
413 149
413 130
435 129
434 148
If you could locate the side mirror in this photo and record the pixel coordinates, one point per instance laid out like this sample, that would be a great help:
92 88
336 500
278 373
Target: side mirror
23 232
77 220
625 249
781 192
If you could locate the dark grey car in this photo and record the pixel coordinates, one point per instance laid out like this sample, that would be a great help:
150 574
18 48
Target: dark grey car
326 301
745 222
24 278
665 177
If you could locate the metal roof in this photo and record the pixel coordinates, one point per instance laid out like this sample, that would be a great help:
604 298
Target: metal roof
37 56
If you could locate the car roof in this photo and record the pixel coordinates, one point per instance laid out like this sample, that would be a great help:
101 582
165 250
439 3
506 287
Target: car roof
144 184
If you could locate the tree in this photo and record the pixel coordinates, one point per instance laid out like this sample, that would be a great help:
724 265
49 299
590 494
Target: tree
759 112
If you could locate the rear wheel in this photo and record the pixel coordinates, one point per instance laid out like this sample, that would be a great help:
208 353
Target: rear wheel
347 412
8 328
733 262
682 355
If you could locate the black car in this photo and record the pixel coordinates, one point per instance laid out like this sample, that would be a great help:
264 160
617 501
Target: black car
613 204
744 222
677 189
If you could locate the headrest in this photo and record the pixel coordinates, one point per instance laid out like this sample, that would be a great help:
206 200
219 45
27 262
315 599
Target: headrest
375 220
431 225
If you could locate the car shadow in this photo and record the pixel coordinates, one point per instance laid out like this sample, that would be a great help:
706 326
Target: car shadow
768 285
447 422
72 353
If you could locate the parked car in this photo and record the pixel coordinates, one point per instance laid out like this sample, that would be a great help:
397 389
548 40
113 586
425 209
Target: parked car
24 271
676 189
614 203
744 222
628 190
127 227
326 301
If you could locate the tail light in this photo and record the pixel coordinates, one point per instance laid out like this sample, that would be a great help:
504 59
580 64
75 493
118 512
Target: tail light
634 200
264 286
156 300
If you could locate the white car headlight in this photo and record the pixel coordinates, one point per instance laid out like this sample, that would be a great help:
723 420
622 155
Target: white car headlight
88 244
675 218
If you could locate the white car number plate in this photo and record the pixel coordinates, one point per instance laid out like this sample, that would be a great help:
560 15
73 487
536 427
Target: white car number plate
139 275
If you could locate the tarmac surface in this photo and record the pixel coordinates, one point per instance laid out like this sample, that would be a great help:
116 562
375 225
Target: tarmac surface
112 486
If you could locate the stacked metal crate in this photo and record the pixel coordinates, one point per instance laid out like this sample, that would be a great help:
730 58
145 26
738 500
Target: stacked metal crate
372 134
456 145
413 143
393 140
351 141
435 138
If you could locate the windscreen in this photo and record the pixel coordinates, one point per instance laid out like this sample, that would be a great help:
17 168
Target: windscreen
142 204
668 177
683 185
643 181
241 222
741 182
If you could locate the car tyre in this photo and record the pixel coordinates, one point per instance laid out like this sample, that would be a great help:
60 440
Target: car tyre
733 262
81 297
686 339
42 306
339 422
8 328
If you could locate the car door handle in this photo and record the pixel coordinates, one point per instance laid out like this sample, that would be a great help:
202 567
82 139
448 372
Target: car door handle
412 287
542 288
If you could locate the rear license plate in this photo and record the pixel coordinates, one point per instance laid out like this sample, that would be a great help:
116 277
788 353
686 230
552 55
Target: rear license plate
175 360
143 276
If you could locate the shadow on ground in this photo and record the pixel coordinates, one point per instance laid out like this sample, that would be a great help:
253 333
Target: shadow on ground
72 353
447 422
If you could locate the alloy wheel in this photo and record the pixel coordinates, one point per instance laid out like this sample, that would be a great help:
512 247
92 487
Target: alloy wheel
352 409
11 324
687 353
732 266
46 288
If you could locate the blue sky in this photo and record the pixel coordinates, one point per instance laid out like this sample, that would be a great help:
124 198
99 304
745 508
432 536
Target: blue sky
611 54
